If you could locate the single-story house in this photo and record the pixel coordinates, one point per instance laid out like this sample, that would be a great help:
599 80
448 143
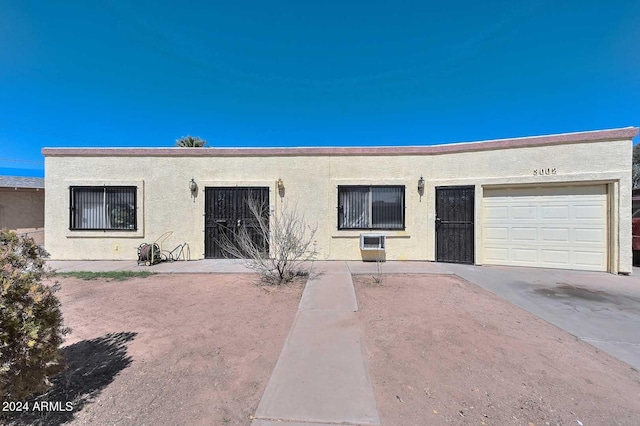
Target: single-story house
555 201
22 205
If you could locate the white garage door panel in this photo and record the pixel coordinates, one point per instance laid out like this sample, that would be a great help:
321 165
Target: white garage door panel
496 256
556 234
522 213
593 235
555 257
524 234
523 255
496 233
554 213
587 260
591 212
552 227
498 213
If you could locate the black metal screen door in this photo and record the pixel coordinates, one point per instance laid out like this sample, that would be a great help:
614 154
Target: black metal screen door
454 224
227 212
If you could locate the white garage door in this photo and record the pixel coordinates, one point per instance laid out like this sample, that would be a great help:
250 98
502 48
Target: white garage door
550 227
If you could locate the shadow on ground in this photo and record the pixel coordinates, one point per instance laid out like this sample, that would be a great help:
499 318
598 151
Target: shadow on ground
91 366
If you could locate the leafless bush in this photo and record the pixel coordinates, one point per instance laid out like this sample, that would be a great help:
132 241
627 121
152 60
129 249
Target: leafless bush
377 277
291 242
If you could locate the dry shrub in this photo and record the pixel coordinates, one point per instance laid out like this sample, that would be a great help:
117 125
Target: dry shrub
291 242
31 327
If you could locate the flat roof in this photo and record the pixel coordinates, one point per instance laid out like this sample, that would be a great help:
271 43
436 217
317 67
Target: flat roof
21 182
531 141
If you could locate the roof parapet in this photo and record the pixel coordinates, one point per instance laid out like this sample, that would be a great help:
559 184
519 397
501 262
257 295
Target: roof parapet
531 141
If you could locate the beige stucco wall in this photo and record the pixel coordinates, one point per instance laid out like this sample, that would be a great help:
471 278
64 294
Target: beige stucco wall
165 203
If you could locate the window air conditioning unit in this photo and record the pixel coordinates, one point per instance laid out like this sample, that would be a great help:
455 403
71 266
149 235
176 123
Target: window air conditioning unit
372 241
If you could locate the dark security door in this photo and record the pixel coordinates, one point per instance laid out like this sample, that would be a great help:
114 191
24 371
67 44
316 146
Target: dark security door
227 212
454 224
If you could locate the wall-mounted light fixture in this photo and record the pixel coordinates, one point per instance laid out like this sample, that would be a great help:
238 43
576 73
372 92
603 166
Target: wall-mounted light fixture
280 185
421 187
193 187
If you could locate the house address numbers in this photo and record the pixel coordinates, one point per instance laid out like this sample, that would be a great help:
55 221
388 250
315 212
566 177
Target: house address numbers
545 171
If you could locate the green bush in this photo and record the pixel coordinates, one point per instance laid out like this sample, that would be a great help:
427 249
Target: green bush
31 327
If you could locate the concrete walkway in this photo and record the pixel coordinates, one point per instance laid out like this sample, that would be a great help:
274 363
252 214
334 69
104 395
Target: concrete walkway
208 266
321 377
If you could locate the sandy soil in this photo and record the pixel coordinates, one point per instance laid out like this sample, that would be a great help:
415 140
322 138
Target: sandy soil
170 349
443 351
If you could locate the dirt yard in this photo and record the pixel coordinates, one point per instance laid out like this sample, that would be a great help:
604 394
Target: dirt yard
199 349
443 351
169 349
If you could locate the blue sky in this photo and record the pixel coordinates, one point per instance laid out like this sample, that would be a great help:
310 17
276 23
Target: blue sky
296 73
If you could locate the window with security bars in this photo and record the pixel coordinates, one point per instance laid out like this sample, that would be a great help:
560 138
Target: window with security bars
103 208
371 207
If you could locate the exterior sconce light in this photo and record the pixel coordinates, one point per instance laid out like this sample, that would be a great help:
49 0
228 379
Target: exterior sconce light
193 187
421 187
280 185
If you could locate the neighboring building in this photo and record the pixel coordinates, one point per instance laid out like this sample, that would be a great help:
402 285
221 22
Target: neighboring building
22 205
558 201
635 228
